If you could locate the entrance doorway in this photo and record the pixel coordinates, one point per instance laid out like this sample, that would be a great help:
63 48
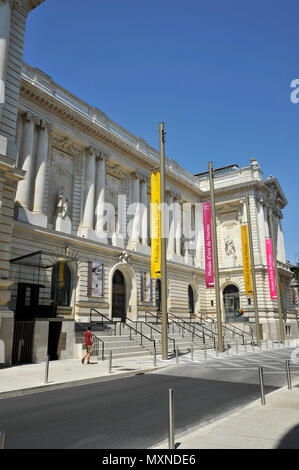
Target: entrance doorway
54 340
231 301
27 300
119 296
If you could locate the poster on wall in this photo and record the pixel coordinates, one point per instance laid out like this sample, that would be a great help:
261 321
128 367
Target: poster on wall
208 242
95 283
270 264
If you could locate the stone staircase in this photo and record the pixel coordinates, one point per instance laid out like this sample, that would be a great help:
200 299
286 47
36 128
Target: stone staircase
125 340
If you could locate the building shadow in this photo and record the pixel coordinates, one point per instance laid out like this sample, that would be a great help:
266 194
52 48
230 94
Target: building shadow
290 440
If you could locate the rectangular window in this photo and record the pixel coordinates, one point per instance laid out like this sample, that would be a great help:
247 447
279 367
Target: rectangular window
249 301
212 303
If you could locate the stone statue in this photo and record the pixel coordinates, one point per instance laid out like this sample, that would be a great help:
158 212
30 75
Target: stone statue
124 257
62 215
230 251
62 206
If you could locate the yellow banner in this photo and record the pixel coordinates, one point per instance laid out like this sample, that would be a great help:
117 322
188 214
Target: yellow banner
61 273
246 260
155 226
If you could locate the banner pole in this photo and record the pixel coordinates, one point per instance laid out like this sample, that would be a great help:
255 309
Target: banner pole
215 259
252 266
163 245
276 274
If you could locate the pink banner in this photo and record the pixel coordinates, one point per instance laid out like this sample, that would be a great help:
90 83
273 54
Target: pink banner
271 274
207 226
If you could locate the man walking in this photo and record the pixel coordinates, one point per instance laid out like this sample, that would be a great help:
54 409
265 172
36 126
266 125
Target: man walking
88 342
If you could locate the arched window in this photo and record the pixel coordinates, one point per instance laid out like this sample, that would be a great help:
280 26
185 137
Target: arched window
61 284
191 299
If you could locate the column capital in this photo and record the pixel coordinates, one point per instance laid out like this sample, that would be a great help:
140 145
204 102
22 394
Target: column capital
46 125
100 156
28 116
177 196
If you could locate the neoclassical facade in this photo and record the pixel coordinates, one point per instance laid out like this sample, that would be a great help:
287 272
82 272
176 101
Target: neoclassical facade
75 222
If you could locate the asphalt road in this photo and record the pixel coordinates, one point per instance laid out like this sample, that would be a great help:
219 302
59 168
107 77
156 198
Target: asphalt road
132 413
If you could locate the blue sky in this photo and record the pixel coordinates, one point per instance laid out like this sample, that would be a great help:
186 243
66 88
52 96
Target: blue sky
218 74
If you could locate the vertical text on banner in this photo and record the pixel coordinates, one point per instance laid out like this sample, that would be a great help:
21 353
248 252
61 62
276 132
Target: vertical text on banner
246 260
155 226
208 240
270 264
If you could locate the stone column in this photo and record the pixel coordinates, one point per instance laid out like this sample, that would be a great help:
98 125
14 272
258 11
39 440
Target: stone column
144 218
261 224
88 213
198 235
171 233
280 247
26 161
177 224
100 195
41 169
136 219
5 18
187 232
255 229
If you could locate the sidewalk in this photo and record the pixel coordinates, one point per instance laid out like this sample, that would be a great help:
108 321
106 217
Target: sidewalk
275 425
30 378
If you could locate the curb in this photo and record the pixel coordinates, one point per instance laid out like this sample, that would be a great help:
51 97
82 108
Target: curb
220 419
74 383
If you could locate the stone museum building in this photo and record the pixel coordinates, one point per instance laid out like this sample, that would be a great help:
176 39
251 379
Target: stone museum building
61 255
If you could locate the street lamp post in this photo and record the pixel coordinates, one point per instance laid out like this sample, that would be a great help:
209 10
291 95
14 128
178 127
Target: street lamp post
163 244
252 266
276 273
215 259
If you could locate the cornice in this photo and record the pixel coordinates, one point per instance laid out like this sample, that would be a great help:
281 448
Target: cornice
40 89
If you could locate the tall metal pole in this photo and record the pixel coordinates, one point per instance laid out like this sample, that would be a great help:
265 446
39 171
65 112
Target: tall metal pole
163 244
252 267
215 259
276 273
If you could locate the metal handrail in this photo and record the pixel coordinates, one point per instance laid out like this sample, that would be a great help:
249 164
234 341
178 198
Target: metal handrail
152 314
96 339
153 328
203 332
108 320
138 332
228 327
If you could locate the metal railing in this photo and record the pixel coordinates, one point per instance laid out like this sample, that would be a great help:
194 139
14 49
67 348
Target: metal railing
131 328
96 340
230 328
107 320
211 334
152 328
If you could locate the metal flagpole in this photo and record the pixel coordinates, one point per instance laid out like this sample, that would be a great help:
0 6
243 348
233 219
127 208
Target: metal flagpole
276 273
163 244
252 266
215 259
